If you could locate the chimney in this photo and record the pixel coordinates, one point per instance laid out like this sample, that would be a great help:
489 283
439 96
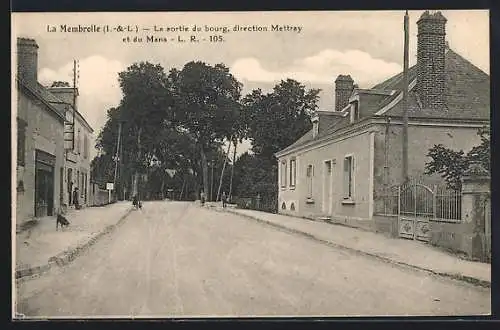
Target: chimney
431 46
343 89
27 59
65 93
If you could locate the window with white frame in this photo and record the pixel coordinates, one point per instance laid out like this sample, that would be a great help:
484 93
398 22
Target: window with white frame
283 174
348 177
309 175
293 172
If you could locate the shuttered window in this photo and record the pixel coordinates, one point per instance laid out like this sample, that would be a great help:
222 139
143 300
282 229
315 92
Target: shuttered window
348 177
85 147
283 174
21 142
309 176
293 172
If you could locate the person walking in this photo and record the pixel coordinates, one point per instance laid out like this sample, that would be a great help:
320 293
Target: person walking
75 198
224 199
202 198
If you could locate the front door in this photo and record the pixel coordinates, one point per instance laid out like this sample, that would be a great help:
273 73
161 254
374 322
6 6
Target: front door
44 183
44 192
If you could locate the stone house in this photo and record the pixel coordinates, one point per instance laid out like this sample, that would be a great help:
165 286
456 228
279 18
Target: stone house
78 141
40 145
341 168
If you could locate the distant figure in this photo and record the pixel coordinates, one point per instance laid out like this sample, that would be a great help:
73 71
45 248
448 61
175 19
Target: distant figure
202 197
135 201
224 199
75 198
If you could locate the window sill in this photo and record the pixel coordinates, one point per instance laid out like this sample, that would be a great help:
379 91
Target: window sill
292 187
348 202
309 201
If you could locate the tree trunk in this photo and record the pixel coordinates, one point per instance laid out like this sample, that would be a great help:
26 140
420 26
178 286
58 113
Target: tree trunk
136 174
204 165
162 187
182 189
230 196
222 172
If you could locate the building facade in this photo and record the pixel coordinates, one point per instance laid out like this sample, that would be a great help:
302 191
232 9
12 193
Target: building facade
40 146
78 141
342 167
53 150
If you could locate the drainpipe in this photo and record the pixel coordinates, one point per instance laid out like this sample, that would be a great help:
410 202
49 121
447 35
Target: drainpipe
386 162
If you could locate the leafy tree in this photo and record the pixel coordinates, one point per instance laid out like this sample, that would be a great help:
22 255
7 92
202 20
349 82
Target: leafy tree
254 175
451 164
101 168
274 121
206 104
278 119
145 106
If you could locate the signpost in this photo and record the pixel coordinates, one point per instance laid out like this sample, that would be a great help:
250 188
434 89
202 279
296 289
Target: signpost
109 188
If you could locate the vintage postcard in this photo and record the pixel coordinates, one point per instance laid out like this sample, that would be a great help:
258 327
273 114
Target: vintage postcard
251 164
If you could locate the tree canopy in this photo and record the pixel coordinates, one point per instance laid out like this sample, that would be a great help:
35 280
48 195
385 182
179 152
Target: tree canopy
452 164
277 119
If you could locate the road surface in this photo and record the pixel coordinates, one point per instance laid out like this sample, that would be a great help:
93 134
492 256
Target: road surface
174 259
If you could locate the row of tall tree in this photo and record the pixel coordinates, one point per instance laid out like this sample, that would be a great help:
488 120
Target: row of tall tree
173 127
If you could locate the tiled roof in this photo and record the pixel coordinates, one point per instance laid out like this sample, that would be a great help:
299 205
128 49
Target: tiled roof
45 96
467 97
467 93
304 139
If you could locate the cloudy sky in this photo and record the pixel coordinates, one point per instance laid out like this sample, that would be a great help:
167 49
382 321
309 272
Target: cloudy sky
368 45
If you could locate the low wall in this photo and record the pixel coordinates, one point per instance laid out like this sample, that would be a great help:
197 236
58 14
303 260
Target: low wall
368 225
101 197
455 237
386 224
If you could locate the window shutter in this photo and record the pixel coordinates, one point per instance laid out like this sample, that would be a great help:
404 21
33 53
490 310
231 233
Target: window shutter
352 178
346 177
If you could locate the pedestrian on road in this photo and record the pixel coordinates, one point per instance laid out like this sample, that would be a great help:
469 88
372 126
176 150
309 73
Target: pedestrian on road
202 197
75 199
224 199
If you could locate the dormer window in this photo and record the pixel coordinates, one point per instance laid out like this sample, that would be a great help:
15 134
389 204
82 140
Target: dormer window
315 122
354 111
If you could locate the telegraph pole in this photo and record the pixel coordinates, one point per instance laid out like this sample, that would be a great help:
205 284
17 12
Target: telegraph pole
405 99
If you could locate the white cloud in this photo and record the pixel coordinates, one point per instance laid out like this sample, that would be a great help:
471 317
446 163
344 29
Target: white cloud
98 87
321 68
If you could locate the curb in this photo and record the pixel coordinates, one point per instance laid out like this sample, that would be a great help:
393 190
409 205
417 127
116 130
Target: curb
71 254
459 277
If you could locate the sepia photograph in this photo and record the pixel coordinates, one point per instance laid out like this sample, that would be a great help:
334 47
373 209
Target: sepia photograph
250 164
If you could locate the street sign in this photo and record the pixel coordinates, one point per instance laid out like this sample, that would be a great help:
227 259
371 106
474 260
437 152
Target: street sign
110 186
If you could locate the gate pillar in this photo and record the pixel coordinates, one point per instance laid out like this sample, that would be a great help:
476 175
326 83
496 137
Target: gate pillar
475 192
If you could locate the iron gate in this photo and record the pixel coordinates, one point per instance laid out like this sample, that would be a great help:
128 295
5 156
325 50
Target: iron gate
415 209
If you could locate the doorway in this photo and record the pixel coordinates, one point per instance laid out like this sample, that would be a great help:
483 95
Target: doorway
44 183
44 192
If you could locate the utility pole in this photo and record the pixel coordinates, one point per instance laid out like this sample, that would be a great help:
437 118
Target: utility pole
405 100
